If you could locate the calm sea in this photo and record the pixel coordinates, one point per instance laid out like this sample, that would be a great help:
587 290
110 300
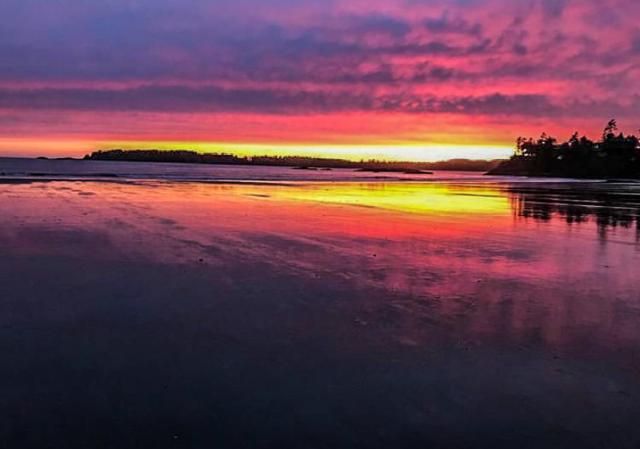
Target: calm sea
18 168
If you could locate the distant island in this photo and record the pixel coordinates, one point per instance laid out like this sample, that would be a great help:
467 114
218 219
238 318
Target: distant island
298 162
613 156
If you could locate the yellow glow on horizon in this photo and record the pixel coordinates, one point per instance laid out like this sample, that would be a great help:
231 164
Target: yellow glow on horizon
404 152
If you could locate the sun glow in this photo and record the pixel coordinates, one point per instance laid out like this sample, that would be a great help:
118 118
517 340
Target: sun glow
404 152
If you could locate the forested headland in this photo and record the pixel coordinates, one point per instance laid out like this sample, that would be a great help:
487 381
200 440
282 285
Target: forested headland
301 162
614 155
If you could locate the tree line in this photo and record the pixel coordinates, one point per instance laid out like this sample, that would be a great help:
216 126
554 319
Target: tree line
614 155
304 162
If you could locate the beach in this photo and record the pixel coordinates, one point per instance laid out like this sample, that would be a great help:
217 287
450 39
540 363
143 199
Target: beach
155 309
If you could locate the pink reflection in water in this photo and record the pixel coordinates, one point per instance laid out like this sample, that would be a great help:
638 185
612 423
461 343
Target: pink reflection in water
484 264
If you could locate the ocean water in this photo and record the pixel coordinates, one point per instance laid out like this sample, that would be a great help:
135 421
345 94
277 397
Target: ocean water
80 169
162 305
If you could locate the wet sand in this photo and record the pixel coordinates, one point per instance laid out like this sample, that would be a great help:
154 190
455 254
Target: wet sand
161 314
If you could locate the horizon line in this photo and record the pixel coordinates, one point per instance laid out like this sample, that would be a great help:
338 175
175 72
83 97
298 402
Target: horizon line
397 151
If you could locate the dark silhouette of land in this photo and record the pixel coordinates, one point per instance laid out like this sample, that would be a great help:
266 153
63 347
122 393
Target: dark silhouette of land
299 162
613 156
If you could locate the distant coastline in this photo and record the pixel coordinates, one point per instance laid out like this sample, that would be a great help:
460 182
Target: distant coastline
297 162
614 156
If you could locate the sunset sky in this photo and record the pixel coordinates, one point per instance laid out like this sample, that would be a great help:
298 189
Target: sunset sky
405 79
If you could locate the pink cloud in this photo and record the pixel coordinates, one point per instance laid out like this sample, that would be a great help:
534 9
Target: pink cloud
529 64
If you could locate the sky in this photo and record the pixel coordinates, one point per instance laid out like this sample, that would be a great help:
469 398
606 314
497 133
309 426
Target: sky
404 79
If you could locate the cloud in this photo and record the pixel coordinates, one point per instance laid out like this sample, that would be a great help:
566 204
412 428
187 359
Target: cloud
517 58
554 8
447 24
635 44
181 99
378 23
